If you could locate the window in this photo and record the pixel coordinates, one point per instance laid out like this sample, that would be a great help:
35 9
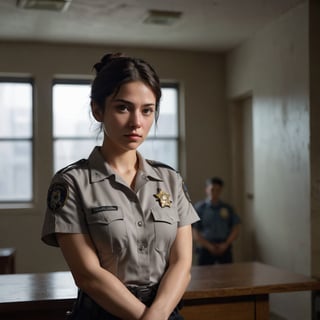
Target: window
75 132
16 139
163 139
73 135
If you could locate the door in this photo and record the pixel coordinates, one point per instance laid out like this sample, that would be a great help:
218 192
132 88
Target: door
242 174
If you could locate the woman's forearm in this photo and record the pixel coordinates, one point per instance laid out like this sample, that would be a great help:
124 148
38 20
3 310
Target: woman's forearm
172 288
176 279
101 285
112 295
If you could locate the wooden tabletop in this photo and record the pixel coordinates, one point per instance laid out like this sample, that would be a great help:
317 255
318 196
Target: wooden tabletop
238 279
25 287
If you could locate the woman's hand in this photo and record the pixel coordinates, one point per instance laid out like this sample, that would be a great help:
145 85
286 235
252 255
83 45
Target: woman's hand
154 314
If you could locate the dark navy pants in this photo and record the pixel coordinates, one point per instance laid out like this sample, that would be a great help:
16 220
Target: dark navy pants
205 257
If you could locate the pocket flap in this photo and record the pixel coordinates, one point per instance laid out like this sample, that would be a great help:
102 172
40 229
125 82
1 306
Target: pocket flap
164 215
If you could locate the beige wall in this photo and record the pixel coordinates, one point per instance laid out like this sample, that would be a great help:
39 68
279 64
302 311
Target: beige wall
273 65
201 76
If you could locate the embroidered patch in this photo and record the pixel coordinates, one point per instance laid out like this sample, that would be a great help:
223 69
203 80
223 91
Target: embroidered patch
57 196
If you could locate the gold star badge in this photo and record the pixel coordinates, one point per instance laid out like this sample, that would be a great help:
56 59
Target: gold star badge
163 198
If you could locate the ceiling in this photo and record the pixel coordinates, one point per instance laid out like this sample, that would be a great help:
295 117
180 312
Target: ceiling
208 25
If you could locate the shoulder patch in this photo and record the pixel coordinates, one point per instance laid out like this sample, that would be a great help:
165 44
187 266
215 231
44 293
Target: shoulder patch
158 164
74 165
57 196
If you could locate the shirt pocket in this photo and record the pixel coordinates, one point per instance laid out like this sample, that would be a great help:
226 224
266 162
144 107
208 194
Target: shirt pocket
108 229
165 227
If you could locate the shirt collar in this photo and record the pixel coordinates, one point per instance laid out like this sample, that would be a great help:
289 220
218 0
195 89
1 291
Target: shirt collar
100 170
147 169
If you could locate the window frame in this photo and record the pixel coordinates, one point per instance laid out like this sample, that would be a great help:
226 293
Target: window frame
31 201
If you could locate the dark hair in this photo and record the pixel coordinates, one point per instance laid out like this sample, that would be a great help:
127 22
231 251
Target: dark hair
116 69
215 180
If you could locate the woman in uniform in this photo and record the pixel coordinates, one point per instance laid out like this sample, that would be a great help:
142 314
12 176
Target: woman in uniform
123 223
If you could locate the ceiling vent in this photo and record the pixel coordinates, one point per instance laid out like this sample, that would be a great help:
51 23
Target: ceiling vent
161 17
51 5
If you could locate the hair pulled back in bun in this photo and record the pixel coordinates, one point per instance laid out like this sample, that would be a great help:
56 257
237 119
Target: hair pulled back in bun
105 60
116 69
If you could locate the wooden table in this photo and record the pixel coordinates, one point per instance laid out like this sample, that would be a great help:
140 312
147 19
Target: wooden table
227 292
239 291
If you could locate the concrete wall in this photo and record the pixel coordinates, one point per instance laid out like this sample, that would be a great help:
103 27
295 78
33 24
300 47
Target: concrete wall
201 76
273 65
314 69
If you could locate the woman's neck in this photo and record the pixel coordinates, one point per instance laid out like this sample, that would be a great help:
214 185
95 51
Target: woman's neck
125 164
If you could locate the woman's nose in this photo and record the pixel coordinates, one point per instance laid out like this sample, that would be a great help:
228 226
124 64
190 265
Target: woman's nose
135 120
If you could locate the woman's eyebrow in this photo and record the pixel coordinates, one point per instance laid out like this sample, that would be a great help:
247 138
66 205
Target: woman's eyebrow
131 103
122 100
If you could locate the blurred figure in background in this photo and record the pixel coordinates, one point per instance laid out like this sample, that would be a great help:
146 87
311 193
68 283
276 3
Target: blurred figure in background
218 227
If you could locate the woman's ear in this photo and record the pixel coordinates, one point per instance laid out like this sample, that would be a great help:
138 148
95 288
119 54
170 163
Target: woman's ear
96 111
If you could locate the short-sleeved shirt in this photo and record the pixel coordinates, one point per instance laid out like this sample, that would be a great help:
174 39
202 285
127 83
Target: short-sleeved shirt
132 230
216 220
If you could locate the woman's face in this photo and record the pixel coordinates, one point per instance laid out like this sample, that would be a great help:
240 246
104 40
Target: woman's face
129 115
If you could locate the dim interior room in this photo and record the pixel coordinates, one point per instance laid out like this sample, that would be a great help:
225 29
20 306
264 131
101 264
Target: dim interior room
249 114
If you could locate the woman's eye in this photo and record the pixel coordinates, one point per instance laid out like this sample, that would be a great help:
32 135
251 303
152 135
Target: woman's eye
147 111
122 108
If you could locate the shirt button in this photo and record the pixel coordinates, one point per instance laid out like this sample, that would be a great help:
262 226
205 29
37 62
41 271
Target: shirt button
140 223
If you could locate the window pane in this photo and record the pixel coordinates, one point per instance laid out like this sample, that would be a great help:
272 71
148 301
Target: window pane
71 111
69 151
165 151
16 171
168 120
16 110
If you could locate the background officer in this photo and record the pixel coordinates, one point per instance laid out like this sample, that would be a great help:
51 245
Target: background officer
218 227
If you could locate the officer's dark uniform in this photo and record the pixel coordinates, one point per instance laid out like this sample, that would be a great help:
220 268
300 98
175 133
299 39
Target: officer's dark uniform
132 230
216 223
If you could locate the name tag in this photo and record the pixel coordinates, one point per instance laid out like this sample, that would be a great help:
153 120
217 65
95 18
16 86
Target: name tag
104 208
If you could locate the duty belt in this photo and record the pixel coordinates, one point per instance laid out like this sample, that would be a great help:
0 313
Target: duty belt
145 294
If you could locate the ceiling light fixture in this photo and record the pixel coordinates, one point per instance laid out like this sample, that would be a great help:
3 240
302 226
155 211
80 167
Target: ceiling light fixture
162 17
52 5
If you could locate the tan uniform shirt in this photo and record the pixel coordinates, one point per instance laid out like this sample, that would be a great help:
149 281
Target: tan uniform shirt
132 230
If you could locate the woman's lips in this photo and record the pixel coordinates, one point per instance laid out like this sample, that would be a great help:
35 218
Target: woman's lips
133 136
